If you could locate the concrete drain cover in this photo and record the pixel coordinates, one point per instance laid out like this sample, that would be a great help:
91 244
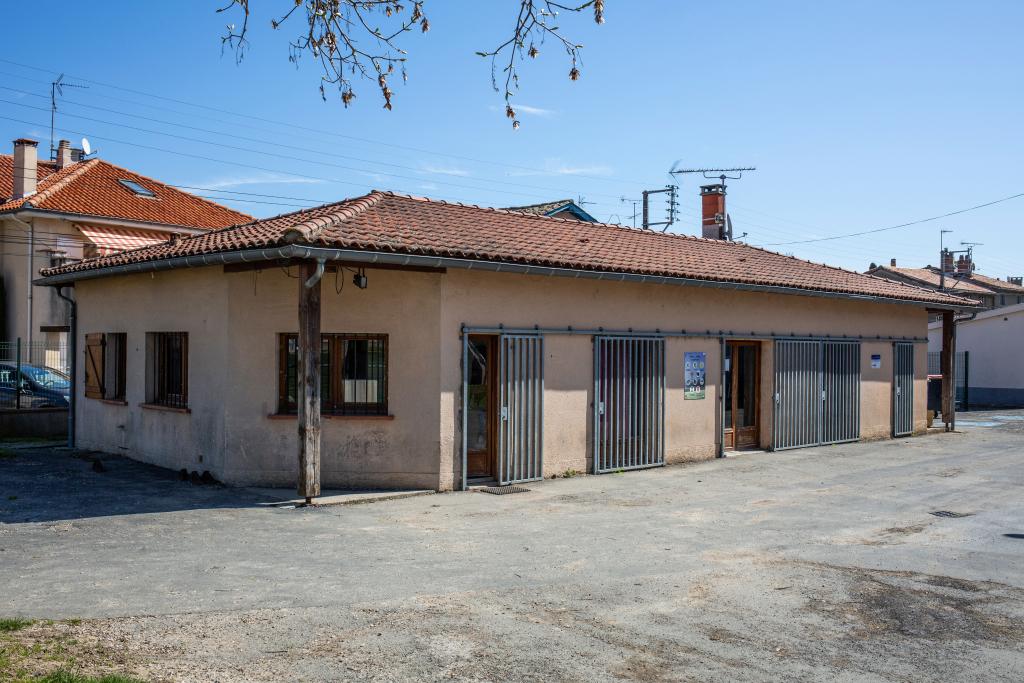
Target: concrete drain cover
504 490
948 513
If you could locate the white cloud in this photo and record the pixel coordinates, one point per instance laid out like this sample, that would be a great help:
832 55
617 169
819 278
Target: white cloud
444 170
429 187
258 179
556 167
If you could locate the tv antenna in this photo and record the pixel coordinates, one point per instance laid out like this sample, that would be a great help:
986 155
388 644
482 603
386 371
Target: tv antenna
724 223
57 88
634 202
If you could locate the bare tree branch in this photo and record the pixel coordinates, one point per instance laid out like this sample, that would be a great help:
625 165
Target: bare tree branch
344 37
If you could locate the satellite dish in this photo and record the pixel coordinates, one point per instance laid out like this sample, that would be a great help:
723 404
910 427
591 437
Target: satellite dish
728 227
86 147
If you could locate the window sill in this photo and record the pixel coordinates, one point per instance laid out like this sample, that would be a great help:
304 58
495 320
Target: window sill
288 416
113 401
166 409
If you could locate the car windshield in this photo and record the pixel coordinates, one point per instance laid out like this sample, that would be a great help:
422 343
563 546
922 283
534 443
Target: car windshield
47 377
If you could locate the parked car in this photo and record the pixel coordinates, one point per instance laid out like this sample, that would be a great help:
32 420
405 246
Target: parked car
41 387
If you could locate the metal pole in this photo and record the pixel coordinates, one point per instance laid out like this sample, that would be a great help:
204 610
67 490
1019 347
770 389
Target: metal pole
465 404
721 397
17 375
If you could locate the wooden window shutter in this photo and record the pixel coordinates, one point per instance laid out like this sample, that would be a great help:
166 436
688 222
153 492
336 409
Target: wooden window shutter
94 371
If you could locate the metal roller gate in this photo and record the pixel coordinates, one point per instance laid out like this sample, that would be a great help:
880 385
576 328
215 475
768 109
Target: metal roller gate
521 401
629 403
817 393
903 389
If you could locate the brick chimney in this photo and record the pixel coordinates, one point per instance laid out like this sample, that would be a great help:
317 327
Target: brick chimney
964 265
64 154
946 266
26 169
712 201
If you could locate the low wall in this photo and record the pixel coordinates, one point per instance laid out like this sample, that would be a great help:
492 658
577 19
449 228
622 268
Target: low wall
51 423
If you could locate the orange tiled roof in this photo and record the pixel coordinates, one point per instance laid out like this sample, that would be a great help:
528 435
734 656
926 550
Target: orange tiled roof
929 277
387 222
91 188
997 285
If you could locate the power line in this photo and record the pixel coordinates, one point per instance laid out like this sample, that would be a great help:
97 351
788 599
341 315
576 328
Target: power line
316 130
263 141
901 225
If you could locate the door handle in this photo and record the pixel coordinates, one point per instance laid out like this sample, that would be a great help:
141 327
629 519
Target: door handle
504 413
600 408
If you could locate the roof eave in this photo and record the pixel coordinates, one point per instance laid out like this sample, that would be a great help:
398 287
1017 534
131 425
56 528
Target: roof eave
31 211
391 258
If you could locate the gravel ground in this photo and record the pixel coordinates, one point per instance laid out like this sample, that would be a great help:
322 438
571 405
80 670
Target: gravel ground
817 564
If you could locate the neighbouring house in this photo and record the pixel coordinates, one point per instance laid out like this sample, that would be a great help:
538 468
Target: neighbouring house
72 208
959 278
444 344
562 208
990 366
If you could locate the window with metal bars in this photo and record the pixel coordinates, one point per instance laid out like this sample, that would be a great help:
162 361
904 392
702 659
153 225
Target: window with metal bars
168 369
353 374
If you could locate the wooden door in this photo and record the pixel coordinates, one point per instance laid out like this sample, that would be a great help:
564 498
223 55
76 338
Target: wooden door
481 450
742 393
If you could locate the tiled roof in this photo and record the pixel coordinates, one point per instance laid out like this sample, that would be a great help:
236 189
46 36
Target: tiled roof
387 222
930 278
994 283
91 188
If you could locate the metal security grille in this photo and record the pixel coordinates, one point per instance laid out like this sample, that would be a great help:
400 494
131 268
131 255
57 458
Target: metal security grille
817 393
903 389
521 401
629 403
797 415
841 386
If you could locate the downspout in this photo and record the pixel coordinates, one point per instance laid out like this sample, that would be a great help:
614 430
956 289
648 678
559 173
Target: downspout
72 351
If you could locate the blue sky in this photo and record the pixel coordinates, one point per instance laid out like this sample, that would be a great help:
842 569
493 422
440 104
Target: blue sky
858 115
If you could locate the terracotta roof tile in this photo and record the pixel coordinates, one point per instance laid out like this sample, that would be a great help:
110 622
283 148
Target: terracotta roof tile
91 188
383 221
929 277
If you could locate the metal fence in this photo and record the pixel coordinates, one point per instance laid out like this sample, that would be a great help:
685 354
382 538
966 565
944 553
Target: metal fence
962 374
34 375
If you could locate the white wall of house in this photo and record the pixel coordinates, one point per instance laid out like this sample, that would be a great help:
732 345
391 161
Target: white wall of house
994 340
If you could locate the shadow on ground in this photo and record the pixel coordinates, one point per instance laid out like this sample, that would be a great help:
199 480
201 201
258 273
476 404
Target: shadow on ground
45 484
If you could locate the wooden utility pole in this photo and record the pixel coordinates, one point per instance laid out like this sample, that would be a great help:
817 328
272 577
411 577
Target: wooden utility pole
948 370
308 371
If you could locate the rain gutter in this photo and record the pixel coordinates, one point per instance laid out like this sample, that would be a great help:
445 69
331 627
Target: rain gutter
388 258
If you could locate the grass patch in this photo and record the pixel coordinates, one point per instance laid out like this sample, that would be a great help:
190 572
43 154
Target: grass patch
65 676
9 624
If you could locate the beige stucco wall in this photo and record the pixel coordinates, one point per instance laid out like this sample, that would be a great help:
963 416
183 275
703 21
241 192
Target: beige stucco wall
481 299
234 319
193 301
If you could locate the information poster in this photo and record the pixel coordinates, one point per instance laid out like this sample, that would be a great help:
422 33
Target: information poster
695 375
